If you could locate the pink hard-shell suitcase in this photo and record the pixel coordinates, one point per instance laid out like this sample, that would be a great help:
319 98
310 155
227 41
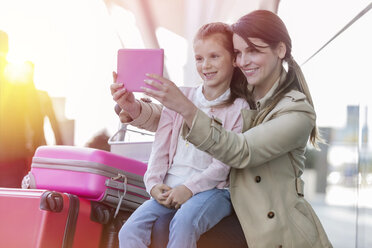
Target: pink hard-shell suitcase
90 173
44 219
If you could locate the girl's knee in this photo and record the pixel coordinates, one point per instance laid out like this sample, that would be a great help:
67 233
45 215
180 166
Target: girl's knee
127 230
183 223
123 233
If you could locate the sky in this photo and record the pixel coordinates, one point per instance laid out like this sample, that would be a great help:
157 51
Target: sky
73 45
340 74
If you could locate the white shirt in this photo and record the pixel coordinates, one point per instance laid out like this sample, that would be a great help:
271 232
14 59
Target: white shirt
188 160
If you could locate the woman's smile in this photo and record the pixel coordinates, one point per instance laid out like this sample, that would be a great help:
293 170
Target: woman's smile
250 72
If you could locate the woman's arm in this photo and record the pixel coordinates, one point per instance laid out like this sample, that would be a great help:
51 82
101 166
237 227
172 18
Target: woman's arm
171 97
286 131
216 174
288 127
148 118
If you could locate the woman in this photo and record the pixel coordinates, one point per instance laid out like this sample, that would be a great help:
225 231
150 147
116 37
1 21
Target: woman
267 160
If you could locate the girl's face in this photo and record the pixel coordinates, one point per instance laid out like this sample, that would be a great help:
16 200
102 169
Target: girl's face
261 65
213 62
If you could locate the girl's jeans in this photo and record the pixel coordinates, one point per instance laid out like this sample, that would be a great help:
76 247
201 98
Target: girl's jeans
200 213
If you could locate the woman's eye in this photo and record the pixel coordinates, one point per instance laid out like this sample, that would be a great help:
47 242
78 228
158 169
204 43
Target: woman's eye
198 59
252 51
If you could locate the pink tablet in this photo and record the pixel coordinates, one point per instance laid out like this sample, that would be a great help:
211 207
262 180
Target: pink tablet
133 64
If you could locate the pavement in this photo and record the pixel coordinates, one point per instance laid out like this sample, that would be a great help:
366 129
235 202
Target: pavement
348 225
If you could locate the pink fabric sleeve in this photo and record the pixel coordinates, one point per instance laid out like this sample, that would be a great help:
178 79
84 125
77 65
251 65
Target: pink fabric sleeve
159 159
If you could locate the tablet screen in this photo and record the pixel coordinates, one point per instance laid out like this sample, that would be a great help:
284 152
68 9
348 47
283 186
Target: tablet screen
133 64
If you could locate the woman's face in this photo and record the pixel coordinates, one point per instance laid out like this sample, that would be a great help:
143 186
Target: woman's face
213 62
261 65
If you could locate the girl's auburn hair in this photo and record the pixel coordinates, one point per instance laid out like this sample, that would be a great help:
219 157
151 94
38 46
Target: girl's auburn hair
239 84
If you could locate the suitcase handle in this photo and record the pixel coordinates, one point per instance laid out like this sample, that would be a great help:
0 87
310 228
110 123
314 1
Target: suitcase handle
51 201
118 182
100 213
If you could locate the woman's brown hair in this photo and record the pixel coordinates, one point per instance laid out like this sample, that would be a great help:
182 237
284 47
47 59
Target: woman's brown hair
239 84
268 27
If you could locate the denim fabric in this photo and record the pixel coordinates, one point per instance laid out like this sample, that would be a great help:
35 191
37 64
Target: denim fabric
226 234
199 214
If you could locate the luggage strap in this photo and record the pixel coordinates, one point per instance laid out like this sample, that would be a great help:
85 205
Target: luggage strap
118 182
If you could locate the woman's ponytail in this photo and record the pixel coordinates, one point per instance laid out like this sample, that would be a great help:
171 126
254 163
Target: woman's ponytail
315 137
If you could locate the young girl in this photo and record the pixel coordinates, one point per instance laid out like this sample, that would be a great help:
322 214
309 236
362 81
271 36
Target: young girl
180 178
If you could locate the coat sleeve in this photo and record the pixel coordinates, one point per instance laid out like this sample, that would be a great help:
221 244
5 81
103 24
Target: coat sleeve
287 129
216 175
159 159
149 116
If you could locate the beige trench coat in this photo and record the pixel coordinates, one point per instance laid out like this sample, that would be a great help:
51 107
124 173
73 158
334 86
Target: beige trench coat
267 162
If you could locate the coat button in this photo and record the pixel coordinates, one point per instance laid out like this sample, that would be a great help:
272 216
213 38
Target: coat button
270 214
258 179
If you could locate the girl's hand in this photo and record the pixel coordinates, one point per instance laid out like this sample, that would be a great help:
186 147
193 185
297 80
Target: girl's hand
170 96
124 98
177 196
157 193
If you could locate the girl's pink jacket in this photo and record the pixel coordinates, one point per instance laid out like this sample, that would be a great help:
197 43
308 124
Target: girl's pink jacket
166 139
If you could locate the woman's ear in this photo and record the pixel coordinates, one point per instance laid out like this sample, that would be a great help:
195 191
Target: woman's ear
281 50
234 62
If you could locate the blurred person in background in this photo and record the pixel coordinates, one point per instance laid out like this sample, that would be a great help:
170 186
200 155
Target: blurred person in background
22 112
13 149
40 102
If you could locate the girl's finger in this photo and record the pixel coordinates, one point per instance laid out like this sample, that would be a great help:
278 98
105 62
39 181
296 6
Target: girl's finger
166 194
118 94
114 76
168 201
115 86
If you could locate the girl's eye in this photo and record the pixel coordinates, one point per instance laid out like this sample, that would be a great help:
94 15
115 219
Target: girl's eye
198 59
214 56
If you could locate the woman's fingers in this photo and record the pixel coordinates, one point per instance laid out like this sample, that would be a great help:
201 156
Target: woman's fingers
161 88
157 77
155 84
